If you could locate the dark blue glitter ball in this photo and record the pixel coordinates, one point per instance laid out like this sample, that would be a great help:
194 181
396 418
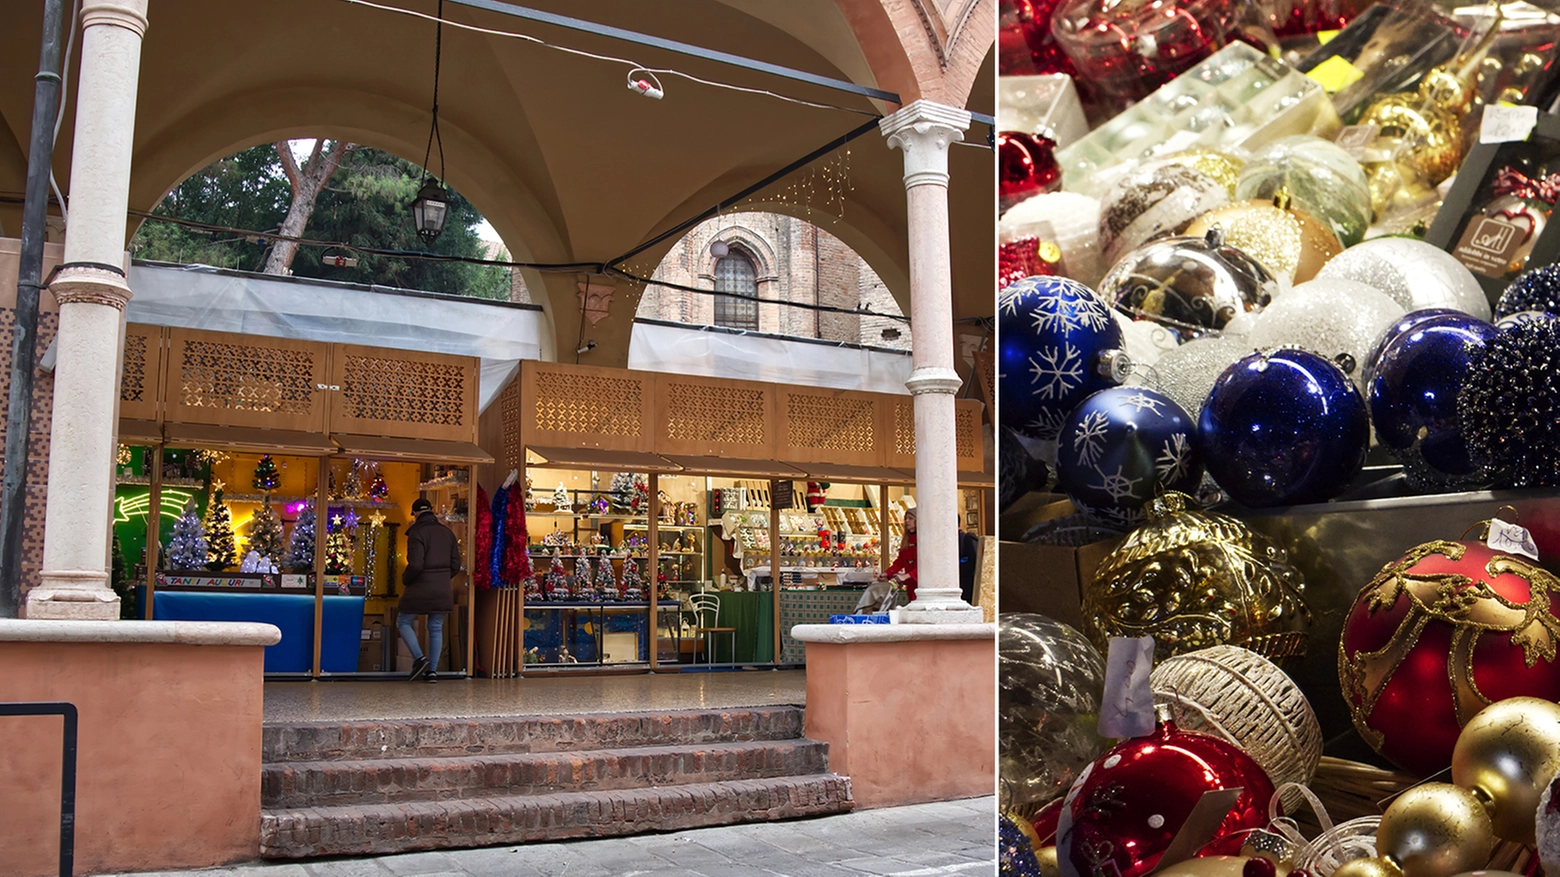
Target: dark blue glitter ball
1534 290
1510 405
1015 853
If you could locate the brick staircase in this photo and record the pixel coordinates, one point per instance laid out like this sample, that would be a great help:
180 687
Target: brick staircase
332 788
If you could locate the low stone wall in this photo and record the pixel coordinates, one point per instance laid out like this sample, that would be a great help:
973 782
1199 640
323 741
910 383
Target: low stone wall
168 759
908 710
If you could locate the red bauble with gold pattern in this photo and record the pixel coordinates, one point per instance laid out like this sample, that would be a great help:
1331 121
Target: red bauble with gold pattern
1440 634
1123 811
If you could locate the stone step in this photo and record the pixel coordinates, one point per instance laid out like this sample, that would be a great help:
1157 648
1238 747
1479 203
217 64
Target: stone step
398 780
425 738
364 829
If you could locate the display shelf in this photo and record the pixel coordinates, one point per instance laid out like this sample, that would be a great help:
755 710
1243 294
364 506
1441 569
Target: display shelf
145 481
449 482
663 526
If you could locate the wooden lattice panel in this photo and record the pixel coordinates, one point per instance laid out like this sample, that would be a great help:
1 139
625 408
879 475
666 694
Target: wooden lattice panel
573 406
245 380
970 444
832 426
406 394
510 412
708 417
140 377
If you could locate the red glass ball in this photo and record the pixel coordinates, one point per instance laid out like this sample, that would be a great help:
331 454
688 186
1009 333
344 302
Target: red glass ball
1025 46
1044 822
1125 808
1437 636
1026 166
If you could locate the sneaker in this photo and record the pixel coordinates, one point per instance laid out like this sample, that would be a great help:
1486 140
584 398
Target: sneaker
431 677
419 669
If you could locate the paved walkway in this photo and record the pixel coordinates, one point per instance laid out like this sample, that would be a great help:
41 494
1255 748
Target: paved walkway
923 840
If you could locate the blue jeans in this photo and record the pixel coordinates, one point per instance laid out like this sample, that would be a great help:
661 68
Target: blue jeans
403 623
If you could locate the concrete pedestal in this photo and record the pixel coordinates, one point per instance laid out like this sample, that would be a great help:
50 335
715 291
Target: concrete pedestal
168 758
909 711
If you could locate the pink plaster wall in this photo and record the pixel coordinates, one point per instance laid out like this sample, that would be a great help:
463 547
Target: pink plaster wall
168 766
908 722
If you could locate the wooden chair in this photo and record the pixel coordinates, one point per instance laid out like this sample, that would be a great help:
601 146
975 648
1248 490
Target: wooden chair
706 614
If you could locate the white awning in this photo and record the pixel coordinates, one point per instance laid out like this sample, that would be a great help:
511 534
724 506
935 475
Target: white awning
720 353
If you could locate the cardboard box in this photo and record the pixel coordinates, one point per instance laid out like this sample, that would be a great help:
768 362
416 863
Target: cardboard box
1048 579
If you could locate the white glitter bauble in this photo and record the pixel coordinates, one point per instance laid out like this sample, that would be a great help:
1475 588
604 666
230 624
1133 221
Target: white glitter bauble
1417 275
1145 341
1187 373
1074 222
1154 202
1328 317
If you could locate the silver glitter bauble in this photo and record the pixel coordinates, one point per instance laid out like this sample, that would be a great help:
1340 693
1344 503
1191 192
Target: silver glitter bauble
1187 373
1145 341
1319 177
1334 318
1052 679
1417 275
1074 222
1191 285
1154 202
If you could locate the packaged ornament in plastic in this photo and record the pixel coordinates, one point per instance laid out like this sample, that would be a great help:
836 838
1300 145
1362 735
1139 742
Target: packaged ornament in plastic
1066 219
1383 50
1046 105
1024 42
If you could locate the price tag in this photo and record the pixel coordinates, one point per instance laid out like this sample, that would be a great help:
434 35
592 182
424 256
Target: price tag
1355 139
1335 74
1510 539
1505 124
1127 709
1323 37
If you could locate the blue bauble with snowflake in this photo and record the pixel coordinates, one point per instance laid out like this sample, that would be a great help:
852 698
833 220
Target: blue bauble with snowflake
1284 427
1413 400
1058 346
1123 446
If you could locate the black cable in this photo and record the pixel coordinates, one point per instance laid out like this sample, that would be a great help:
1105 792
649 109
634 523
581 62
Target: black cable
827 309
433 131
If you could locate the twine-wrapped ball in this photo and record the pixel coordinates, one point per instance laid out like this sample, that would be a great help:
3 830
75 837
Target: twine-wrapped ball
1509 405
1235 692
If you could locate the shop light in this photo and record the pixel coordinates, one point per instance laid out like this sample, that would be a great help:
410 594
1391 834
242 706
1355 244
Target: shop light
429 210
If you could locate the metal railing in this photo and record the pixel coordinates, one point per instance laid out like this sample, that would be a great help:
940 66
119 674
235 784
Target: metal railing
67 711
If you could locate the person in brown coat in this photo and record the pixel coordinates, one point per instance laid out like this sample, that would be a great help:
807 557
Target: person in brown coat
432 557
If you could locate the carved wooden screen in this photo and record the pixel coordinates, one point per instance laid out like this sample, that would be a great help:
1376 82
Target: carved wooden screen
831 426
510 412
709 417
966 429
246 380
576 406
140 377
407 394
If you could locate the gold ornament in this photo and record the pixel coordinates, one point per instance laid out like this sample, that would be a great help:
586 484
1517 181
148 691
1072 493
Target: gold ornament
1436 830
1193 579
1367 868
1045 857
1215 164
1206 866
1506 755
1287 241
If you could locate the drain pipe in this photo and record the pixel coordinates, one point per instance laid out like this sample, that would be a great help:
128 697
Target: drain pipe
18 422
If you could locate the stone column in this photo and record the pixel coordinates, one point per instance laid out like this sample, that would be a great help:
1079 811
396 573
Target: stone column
92 290
923 131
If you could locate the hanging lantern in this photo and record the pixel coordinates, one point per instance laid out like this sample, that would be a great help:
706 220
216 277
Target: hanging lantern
429 210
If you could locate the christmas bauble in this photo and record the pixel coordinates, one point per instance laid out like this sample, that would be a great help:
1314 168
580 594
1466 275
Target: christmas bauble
1506 755
1435 830
1187 373
1026 166
1409 321
1208 866
1321 179
1223 166
1415 274
1070 220
1413 400
1193 579
1058 346
1154 202
1521 317
1121 447
1126 807
1339 319
1191 285
1284 427
1548 826
1436 637
1016 848
1127 49
1510 405
1049 699
1025 44
1145 341
1237 694
1290 243
1537 289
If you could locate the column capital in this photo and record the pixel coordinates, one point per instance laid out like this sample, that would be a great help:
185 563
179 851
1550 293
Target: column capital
934 380
128 14
925 130
91 284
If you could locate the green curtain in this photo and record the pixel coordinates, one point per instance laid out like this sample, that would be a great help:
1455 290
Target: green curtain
752 613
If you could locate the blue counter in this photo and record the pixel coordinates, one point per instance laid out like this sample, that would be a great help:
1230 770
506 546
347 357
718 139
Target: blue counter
293 613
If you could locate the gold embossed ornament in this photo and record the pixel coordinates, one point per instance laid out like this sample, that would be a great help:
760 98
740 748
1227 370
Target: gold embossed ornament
1193 579
1438 635
1287 241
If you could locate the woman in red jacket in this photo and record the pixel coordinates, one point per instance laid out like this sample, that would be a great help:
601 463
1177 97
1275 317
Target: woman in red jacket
903 568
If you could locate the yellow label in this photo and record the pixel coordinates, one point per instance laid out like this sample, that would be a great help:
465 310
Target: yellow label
1336 73
1323 37
1504 103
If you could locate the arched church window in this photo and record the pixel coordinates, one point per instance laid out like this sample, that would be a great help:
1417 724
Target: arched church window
736 307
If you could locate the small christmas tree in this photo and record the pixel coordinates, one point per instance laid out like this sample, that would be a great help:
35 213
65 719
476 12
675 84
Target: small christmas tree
338 548
265 534
221 548
556 584
561 499
119 579
606 580
633 581
187 543
622 491
267 478
300 551
583 588
378 489
354 486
